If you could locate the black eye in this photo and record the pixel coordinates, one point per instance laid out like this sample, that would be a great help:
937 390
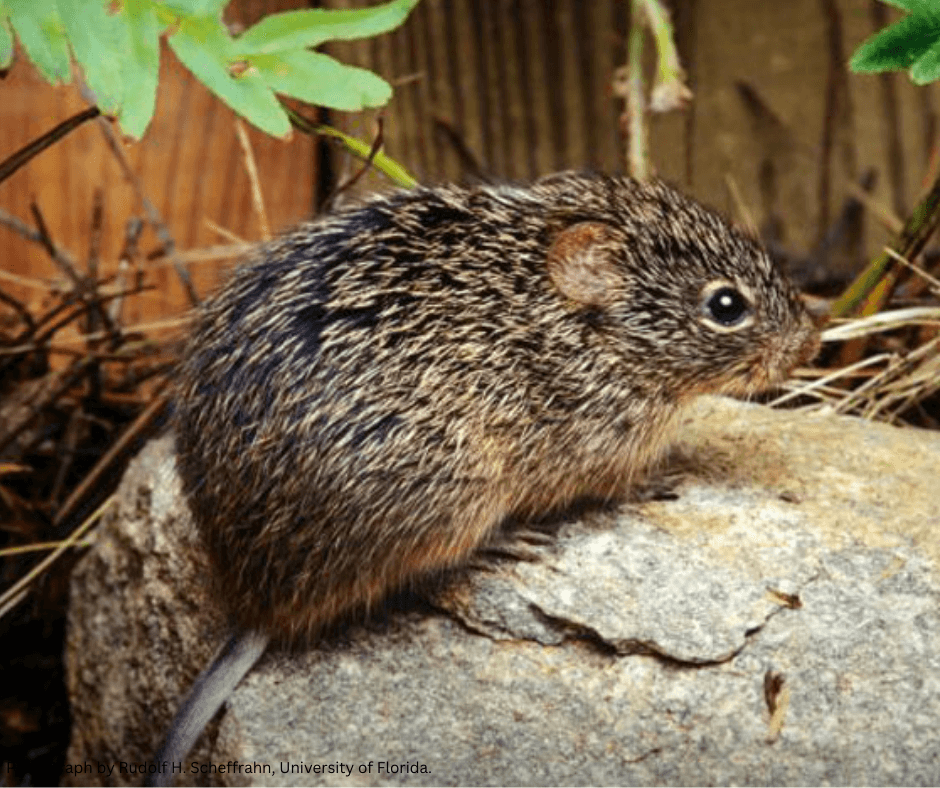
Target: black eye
726 306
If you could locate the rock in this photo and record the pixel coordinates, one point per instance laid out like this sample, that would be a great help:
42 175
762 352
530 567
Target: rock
778 622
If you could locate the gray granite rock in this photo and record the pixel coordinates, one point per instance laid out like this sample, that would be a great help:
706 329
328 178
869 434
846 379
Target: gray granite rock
777 623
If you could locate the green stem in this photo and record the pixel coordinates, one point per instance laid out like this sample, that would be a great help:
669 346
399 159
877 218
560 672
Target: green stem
669 68
637 150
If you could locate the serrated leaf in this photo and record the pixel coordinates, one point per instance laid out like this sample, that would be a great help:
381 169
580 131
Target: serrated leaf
39 28
143 59
6 40
927 69
294 30
319 79
897 47
202 46
99 42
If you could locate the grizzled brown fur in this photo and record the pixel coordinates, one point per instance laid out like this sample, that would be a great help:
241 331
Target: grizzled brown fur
377 390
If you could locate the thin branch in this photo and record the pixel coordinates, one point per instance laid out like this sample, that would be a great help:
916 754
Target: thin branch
28 152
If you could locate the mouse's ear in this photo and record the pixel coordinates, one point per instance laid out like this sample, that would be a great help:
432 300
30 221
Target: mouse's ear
581 263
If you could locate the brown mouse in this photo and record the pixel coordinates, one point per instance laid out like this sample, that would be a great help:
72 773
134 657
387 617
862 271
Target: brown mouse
375 392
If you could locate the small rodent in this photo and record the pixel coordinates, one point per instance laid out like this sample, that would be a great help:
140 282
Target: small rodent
376 391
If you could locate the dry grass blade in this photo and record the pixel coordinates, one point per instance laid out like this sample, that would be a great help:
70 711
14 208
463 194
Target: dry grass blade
927 279
251 167
915 378
139 425
819 386
883 321
10 597
894 385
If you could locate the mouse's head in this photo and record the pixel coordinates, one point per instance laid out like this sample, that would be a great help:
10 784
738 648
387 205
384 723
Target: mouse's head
681 293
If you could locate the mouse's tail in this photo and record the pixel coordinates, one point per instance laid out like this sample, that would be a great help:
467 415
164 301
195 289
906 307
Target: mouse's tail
206 697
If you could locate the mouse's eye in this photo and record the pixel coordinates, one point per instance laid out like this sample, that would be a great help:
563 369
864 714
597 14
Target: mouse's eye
725 307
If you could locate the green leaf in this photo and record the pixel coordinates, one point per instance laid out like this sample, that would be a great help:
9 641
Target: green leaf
319 79
299 29
927 68
143 59
100 42
204 8
40 30
898 46
910 43
202 45
6 39
116 44
914 6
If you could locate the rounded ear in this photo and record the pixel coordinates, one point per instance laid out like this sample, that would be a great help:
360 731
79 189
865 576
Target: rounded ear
581 266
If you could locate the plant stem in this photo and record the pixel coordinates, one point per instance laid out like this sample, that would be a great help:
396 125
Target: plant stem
637 150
